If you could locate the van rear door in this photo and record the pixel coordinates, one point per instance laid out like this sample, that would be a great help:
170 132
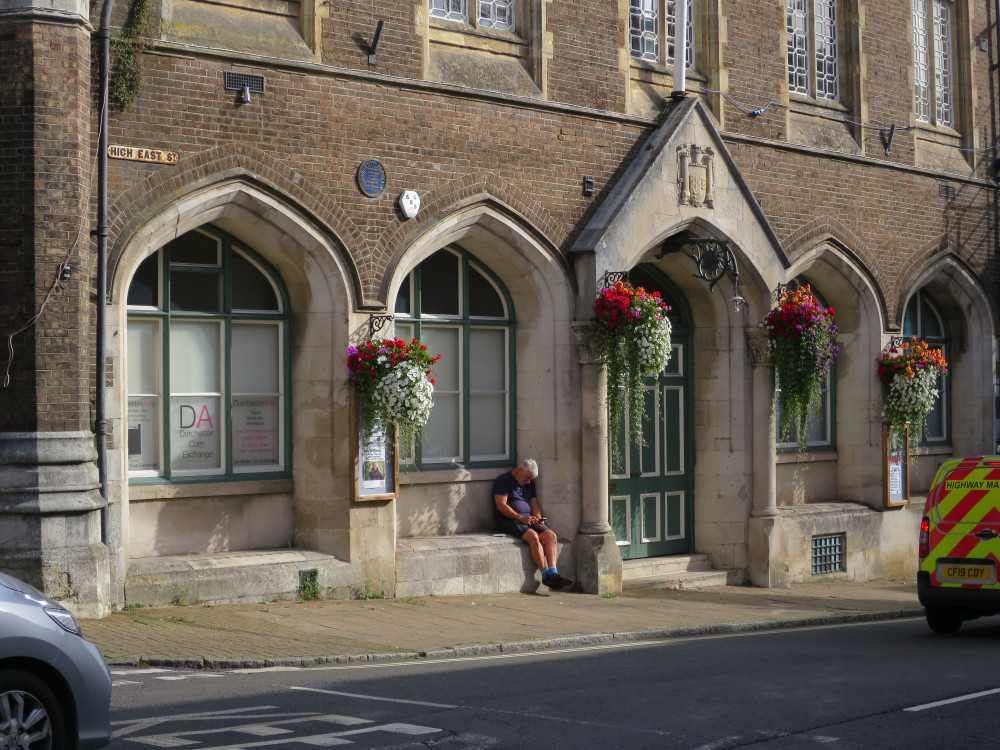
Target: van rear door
964 513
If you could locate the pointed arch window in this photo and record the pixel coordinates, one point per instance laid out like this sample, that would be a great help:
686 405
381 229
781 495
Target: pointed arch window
923 319
462 311
207 363
821 430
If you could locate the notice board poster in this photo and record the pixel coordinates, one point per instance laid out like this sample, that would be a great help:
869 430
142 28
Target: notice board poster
255 432
895 465
376 463
143 434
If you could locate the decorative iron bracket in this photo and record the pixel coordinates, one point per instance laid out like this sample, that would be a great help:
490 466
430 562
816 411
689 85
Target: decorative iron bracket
376 323
895 342
610 278
712 257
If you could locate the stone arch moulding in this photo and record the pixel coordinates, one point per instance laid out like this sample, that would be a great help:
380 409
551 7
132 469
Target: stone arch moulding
958 288
483 222
270 226
833 230
223 180
828 252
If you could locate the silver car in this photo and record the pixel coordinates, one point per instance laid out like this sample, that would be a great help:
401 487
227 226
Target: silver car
55 688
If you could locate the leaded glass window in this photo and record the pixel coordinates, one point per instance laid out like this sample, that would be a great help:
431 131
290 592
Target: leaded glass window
497 14
450 10
933 61
813 69
672 33
646 30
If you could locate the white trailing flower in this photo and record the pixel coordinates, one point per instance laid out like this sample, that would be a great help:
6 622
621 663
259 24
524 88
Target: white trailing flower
405 396
914 396
653 344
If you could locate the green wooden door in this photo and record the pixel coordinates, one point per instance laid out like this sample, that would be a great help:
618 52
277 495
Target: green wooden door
651 488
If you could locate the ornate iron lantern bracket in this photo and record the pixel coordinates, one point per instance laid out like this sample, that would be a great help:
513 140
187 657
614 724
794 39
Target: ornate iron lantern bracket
376 323
712 257
610 278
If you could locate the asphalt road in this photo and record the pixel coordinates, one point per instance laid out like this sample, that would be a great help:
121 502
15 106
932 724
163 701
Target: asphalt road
883 685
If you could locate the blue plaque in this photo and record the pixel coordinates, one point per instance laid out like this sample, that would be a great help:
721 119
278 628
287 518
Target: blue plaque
371 178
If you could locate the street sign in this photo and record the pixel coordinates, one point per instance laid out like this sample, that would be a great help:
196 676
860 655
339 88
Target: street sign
138 153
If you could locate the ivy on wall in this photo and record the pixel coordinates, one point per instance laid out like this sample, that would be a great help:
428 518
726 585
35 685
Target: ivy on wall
127 48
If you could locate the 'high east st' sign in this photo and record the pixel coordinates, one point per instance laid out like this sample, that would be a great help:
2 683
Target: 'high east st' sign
137 153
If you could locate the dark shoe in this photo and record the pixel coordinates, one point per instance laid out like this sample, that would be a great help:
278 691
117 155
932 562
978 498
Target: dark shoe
567 582
554 582
557 582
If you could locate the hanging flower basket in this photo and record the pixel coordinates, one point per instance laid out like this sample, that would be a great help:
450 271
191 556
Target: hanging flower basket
394 384
801 341
909 374
632 334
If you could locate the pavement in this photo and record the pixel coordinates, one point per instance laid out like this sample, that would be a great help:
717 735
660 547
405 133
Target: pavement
308 633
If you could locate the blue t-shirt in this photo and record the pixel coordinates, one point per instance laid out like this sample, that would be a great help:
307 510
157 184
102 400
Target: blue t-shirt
518 497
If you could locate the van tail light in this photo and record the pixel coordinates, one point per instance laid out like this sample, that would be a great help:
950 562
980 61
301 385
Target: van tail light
925 537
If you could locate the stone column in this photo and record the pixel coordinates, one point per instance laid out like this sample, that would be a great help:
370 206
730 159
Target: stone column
598 561
50 506
767 556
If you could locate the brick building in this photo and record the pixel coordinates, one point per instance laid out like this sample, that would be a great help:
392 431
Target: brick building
846 143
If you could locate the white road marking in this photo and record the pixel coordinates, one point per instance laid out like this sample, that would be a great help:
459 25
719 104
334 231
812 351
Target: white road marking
262 730
332 739
958 699
175 739
371 697
149 670
119 683
721 742
130 726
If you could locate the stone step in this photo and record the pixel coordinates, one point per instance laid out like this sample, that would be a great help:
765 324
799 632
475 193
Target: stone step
695 579
244 576
664 566
691 571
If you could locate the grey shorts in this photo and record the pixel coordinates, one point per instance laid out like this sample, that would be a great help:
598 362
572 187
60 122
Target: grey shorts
516 528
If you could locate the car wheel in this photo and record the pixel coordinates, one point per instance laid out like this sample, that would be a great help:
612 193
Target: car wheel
943 621
30 718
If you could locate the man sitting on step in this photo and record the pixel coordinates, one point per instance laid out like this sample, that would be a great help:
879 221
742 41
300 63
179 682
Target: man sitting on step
517 513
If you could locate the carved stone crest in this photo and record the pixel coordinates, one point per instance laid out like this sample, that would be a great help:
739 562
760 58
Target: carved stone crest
696 175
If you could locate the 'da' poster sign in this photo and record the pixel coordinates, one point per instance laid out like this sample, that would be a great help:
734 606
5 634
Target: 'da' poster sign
195 442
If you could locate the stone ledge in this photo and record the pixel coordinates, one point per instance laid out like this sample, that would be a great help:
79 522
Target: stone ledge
244 576
469 565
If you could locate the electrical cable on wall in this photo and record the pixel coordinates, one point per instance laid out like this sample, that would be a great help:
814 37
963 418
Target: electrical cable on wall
56 284
758 111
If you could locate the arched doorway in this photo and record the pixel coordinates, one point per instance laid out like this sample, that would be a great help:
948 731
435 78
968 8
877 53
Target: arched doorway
651 489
